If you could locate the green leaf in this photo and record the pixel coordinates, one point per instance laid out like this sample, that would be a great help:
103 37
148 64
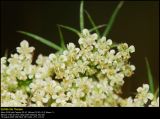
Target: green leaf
61 38
97 27
22 83
150 77
42 40
81 15
156 94
92 22
114 45
6 53
71 29
112 18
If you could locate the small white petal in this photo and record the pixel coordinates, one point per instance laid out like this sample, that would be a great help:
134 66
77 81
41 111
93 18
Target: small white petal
109 42
70 46
24 43
52 56
146 87
45 100
112 52
139 89
132 49
133 67
150 96
85 32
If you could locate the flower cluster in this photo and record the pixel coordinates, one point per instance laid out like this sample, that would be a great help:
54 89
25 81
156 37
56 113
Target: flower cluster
86 76
142 98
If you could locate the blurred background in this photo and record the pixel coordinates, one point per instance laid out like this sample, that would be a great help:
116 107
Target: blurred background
137 23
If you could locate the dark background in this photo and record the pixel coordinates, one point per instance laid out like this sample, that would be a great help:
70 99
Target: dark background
137 23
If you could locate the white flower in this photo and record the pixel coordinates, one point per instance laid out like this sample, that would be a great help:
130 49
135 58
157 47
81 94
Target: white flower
143 95
154 103
52 56
63 58
58 88
70 46
41 60
132 67
129 102
145 88
3 60
132 49
87 39
89 76
109 42
24 48
112 52
85 32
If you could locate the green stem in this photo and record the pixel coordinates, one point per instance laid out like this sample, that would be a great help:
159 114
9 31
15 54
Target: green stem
92 22
150 77
61 38
156 92
97 27
112 18
81 15
42 40
71 29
